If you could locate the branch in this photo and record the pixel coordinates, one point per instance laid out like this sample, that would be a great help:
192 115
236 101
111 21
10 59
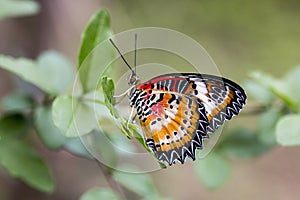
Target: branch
111 181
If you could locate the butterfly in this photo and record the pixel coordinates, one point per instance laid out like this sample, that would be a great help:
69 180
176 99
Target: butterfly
177 111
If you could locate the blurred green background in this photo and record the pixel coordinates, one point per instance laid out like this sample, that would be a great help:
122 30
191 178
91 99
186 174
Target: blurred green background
240 36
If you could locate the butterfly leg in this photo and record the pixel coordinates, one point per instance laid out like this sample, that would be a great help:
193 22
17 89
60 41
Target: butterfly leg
131 117
124 93
119 100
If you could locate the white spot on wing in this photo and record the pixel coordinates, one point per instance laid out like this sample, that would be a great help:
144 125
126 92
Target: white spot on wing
156 126
170 114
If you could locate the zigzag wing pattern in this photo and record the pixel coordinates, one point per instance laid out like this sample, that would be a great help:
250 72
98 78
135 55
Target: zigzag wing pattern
173 125
222 99
177 111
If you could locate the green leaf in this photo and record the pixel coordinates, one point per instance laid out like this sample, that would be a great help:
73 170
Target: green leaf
108 88
259 92
263 78
75 146
52 72
102 147
141 184
73 117
292 81
10 8
48 132
288 130
278 87
125 130
92 64
13 125
124 146
129 130
243 143
266 126
58 70
132 130
17 102
280 90
21 161
100 194
97 30
108 124
213 170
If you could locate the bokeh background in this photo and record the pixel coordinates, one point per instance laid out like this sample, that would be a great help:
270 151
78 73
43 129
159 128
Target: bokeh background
240 36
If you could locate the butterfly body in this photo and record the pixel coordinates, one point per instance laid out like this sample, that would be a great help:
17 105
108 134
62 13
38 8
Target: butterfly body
177 111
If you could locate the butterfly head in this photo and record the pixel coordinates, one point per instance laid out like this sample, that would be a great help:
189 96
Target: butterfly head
133 79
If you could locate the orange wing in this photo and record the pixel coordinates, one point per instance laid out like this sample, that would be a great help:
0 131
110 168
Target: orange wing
177 111
174 127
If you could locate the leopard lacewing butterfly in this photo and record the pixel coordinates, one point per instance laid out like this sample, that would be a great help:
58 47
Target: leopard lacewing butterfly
177 111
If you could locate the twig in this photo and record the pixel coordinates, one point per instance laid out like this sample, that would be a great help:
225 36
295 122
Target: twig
113 184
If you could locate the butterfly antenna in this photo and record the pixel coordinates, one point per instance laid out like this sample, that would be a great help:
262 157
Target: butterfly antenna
121 55
135 45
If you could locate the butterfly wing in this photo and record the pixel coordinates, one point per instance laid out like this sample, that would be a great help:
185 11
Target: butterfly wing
173 125
221 97
176 111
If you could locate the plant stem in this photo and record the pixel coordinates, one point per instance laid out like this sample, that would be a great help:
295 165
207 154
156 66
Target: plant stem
111 181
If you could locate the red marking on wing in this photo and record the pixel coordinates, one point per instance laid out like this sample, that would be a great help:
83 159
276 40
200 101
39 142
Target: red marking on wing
157 109
147 85
144 86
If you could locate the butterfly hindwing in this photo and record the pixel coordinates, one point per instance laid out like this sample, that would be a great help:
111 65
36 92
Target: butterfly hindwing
173 125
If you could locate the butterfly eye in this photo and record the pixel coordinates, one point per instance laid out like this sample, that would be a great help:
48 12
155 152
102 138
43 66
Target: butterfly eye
133 79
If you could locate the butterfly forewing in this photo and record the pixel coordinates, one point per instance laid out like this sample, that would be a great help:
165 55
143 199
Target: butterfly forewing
176 111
